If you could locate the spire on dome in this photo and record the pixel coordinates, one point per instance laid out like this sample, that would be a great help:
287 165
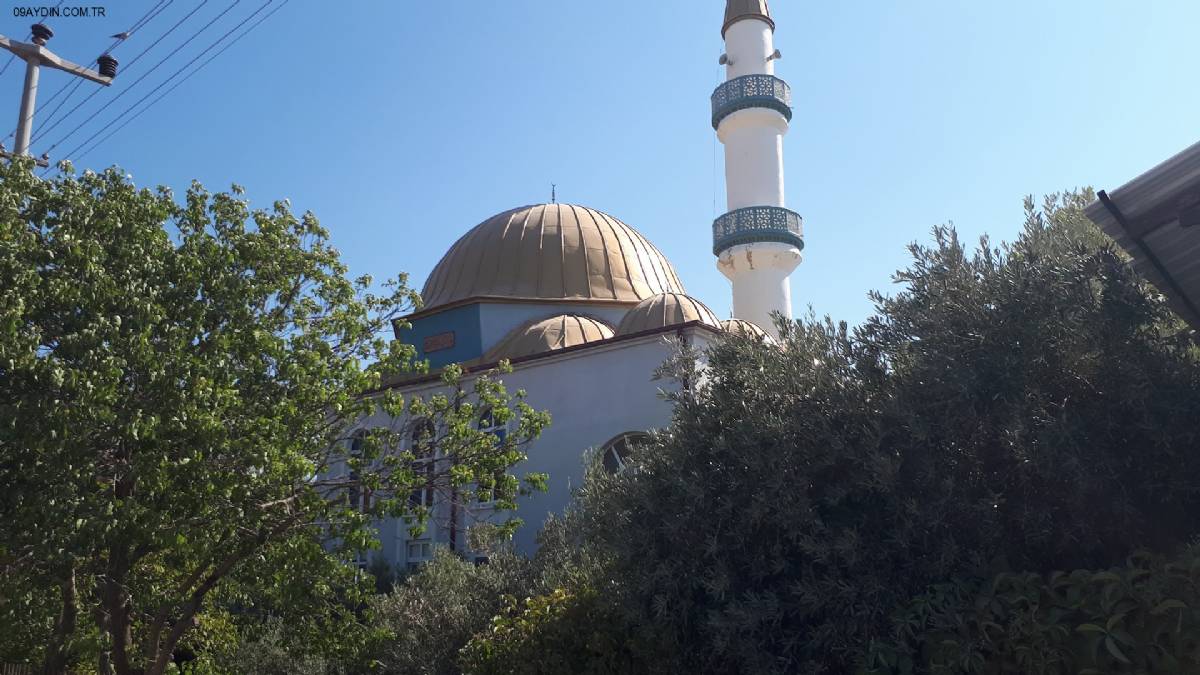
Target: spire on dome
736 10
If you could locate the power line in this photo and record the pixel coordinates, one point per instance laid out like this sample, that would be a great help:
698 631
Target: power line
144 75
47 127
74 86
146 18
169 78
185 79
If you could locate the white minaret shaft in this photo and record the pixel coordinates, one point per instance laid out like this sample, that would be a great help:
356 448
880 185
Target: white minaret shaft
758 241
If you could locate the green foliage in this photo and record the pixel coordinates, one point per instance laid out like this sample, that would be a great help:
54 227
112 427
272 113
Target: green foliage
435 611
560 632
1024 409
269 652
178 386
1141 617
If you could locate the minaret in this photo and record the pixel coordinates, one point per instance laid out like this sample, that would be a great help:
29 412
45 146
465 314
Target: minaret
758 241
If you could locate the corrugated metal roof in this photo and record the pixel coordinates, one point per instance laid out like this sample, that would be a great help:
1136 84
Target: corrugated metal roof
1156 218
736 10
551 252
746 328
666 309
550 334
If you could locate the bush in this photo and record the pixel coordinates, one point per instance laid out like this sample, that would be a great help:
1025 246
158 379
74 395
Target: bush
560 632
429 617
270 652
1141 617
1020 409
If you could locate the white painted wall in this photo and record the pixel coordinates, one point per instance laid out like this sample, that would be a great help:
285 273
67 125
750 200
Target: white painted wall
748 43
592 395
759 273
753 140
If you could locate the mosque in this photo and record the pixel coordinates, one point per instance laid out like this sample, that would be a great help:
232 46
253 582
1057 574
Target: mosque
579 302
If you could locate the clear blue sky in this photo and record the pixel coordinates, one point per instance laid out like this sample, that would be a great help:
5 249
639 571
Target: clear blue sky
401 124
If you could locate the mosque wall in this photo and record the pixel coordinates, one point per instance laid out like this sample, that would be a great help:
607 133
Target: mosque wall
592 395
451 336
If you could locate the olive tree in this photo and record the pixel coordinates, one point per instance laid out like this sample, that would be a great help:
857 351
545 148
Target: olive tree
179 382
1022 408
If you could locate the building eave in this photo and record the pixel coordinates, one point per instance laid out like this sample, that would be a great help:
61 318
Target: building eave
403 381
1156 218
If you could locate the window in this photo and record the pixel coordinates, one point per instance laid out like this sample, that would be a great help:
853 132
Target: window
488 424
358 496
422 438
616 453
420 550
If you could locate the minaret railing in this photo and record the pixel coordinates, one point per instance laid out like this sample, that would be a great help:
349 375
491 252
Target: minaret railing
758 223
751 91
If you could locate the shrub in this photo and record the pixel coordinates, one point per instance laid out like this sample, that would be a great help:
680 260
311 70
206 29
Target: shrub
1024 409
560 632
1141 617
429 617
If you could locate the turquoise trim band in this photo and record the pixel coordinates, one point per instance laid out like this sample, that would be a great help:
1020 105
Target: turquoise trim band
758 223
751 91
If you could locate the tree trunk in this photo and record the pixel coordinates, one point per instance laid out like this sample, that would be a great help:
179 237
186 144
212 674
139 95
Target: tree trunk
58 653
119 607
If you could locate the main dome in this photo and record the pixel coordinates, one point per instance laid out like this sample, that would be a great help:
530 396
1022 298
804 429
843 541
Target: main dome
551 252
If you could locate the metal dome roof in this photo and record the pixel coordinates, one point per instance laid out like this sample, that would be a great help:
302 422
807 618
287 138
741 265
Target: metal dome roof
666 309
551 252
736 10
746 329
546 335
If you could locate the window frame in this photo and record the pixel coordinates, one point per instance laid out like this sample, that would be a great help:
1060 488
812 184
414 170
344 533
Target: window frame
487 424
623 439
423 461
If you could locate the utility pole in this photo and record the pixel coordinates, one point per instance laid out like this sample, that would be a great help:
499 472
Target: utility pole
35 56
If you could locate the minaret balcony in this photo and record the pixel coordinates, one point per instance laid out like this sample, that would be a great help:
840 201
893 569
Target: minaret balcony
751 91
758 223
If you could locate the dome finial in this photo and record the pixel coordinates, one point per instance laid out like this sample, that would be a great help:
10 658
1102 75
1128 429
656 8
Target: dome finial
736 10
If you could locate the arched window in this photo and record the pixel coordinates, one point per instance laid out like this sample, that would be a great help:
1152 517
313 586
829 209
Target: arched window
358 496
488 424
615 453
422 447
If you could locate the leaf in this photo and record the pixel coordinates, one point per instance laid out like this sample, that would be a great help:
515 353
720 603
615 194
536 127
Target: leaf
1113 649
1167 605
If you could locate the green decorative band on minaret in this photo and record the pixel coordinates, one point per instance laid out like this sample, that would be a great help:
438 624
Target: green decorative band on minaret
758 223
751 91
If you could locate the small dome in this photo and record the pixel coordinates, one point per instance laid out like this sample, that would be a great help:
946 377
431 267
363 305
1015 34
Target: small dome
666 309
745 329
551 252
547 335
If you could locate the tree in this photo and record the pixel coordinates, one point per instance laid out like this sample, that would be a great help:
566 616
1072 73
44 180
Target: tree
178 387
1022 409
428 618
1142 616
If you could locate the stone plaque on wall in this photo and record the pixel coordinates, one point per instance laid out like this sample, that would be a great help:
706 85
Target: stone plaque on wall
436 343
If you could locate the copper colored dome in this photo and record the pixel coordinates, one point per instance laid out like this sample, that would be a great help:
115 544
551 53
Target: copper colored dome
547 335
551 252
666 309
